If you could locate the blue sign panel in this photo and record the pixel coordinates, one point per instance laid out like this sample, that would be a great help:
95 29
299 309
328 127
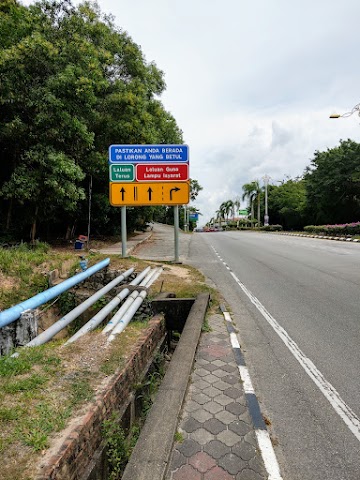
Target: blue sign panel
148 153
194 217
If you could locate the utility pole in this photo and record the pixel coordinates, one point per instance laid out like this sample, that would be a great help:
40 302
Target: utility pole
266 179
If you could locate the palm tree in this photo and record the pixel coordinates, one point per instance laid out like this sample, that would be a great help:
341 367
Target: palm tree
258 198
250 190
236 206
225 209
229 207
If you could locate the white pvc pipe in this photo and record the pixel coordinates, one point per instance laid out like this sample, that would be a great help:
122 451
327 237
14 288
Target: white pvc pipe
115 319
49 333
99 317
122 324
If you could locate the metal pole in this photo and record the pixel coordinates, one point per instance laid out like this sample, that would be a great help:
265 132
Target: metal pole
123 231
266 216
176 232
89 219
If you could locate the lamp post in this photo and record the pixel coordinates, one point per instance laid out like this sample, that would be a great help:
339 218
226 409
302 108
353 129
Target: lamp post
266 179
347 114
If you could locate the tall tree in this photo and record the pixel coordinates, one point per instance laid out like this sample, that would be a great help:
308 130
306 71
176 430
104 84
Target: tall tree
333 185
250 194
195 188
72 83
236 206
287 204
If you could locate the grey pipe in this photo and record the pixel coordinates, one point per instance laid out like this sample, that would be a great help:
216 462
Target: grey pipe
69 317
118 315
13 313
132 309
99 317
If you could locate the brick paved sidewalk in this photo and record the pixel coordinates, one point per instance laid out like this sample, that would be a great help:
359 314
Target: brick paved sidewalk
219 441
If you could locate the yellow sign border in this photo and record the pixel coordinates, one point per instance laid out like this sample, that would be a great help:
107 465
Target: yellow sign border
137 194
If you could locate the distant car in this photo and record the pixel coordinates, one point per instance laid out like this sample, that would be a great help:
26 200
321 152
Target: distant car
198 229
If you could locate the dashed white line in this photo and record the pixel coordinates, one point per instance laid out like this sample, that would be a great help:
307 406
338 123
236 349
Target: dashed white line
330 393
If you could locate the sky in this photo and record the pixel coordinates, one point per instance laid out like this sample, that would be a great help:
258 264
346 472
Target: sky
251 83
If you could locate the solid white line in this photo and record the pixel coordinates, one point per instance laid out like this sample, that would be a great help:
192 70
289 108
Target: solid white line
234 341
268 455
341 408
245 377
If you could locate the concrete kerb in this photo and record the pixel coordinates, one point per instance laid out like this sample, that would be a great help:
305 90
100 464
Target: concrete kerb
324 237
153 448
131 244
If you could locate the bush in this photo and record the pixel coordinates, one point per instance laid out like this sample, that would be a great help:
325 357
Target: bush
341 229
272 228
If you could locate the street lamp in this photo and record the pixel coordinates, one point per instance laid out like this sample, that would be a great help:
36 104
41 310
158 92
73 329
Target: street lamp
266 179
347 114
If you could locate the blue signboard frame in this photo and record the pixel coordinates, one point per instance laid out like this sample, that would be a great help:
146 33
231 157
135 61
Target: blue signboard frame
148 153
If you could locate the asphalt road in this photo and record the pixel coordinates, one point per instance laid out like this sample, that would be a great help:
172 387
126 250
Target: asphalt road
296 302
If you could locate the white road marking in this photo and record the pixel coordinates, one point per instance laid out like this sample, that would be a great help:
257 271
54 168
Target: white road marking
329 392
268 454
245 377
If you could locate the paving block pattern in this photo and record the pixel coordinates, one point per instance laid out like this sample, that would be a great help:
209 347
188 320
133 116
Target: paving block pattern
218 438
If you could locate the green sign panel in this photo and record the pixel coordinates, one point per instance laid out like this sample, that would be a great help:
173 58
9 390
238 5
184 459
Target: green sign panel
122 172
243 212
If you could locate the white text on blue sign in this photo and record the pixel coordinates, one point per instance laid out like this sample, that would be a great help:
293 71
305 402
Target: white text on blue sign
148 153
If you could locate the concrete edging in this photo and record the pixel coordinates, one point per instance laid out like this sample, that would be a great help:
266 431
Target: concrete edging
324 237
83 437
153 448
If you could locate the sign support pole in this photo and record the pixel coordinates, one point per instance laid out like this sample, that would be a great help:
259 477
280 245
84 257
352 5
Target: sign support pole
123 231
176 232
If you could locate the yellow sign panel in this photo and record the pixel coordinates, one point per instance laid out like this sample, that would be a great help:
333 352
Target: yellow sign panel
140 194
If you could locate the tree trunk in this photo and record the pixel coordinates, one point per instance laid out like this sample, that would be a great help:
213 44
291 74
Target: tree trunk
9 214
252 214
258 210
33 226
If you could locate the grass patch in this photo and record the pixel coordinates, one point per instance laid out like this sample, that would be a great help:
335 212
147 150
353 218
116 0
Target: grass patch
23 271
206 327
178 437
45 386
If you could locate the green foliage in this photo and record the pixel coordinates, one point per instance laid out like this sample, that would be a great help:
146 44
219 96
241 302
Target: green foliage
81 390
195 189
66 302
35 431
178 437
344 229
272 228
205 326
28 357
333 185
72 84
287 203
100 303
27 384
117 449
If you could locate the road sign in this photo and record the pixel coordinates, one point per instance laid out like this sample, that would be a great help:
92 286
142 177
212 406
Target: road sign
141 194
194 217
243 212
121 172
148 153
165 172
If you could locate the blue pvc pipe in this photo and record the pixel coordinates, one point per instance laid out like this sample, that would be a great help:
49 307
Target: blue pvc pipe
13 313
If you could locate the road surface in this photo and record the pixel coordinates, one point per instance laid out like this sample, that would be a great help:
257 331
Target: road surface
296 302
